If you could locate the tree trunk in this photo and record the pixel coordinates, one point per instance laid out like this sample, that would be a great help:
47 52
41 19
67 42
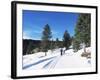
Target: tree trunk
84 50
45 54
84 47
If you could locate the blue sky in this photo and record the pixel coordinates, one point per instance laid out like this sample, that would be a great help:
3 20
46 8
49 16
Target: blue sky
34 22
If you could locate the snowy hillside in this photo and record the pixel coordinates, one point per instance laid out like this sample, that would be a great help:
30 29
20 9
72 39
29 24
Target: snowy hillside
54 60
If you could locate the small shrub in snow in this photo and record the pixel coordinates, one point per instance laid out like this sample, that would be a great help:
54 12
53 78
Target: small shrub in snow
86 54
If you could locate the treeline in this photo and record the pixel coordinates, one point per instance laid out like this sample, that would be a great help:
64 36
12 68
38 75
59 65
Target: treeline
29 45
32 46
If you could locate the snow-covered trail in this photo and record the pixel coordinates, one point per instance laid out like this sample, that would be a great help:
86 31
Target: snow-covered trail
44 62
54 60
70 60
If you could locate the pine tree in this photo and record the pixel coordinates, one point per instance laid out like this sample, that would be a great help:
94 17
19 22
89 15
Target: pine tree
52 45
46 36
76 45
57 42
29 48
66 40
82 30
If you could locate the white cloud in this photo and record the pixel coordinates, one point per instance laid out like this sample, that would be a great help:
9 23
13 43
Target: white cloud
26 35
32 34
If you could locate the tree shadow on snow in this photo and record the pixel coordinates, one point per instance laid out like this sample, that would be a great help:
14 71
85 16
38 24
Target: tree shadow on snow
38 62
46 65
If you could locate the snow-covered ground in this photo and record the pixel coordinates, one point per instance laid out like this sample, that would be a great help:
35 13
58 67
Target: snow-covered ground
54 60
